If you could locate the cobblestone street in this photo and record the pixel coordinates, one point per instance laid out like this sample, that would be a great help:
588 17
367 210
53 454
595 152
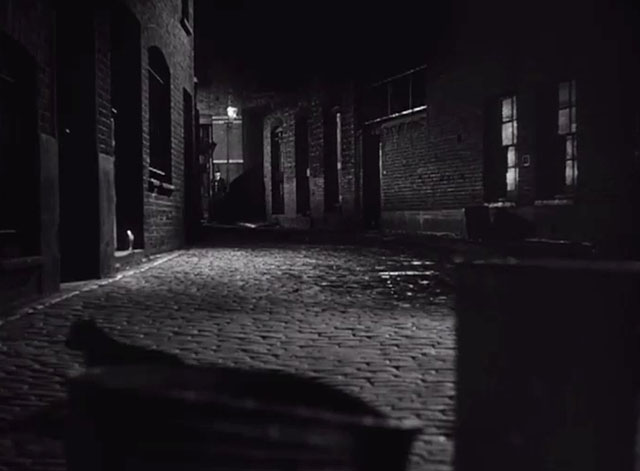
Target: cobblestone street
373 321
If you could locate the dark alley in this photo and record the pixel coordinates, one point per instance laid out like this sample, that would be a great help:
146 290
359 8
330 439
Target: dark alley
240 235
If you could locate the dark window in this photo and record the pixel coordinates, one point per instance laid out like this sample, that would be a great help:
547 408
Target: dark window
398 94
159 120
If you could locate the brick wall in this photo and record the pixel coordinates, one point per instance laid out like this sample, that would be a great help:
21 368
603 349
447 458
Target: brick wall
434 161
313 103
161 27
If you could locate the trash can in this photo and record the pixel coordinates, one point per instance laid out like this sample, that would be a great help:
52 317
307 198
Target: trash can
546 365
196 418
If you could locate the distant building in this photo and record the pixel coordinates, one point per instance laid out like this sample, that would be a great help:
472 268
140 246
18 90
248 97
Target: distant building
101 97
519 128
512 129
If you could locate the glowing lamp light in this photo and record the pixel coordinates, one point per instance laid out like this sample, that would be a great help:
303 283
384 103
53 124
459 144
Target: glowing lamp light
232 112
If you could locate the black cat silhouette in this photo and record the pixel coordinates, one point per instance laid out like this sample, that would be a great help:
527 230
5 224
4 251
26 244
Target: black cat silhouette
100 349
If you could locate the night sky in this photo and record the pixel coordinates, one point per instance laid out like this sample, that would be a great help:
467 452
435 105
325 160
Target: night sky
277 43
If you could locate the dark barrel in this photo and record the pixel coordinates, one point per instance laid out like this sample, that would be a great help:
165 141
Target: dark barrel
547 365
197 418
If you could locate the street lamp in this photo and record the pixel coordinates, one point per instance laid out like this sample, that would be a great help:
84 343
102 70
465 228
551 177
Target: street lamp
232 113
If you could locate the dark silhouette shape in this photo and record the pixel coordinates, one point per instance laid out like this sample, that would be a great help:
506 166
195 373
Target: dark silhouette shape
100 349
140 396
48 420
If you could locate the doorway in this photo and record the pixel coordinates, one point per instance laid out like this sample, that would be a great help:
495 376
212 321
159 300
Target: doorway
126 99
277 173
371 194
331 161
78 162
302 166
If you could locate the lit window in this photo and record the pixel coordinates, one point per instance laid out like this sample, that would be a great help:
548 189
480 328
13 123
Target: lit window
567 127
510 139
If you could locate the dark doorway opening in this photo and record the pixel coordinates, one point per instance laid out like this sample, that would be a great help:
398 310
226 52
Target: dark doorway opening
253 130
302 165
126 99
371 195
191 180
331 182
277 173
78 160
19 152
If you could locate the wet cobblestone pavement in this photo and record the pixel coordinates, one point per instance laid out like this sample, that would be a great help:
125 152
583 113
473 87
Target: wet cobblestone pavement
376 322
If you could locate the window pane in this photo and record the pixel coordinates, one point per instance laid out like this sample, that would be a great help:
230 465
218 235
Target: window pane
563 121
515 131
569 148
569 172
418 88
564 94
507 109
400 89
511 156
574 124
515 108
507 134
512 178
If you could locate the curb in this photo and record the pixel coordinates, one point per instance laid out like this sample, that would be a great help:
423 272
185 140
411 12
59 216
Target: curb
89 285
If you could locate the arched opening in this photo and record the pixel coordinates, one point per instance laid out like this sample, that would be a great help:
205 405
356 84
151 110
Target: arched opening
302 164
277 171
126 101
19 164
160 172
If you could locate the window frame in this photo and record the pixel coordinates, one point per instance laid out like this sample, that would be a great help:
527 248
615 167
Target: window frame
513 166
415 88
159 122
185 17
571 135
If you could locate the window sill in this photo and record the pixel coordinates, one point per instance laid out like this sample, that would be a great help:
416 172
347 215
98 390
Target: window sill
186 26
402 114
18 263
558 201
501 204
161 188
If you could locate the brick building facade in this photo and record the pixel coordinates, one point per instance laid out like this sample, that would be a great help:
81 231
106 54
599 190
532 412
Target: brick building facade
28 150
512 129
510 114
311 172
101 97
